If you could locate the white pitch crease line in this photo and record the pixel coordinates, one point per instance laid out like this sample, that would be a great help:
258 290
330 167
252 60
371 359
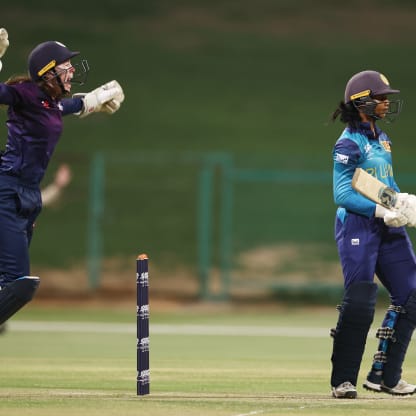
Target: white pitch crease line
171 329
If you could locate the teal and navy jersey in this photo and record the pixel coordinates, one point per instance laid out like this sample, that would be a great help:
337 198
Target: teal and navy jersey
360 148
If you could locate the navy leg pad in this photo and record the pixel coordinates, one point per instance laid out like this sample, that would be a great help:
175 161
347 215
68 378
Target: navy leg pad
350 335
16 294
357 309
396 350
410 308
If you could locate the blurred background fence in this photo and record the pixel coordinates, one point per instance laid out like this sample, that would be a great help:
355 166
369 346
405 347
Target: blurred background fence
235 223
229 220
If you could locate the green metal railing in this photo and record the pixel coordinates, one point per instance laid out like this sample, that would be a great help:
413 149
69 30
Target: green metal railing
95 217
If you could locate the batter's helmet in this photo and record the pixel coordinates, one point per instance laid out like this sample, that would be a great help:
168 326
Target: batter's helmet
47 56
367 84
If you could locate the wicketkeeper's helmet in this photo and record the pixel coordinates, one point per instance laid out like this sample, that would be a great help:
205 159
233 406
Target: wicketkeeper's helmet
47 55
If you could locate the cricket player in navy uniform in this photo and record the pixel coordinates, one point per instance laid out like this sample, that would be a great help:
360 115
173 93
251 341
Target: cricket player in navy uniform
36 104
372 241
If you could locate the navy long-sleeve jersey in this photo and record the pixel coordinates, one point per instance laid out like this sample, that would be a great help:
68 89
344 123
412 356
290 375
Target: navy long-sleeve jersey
34 127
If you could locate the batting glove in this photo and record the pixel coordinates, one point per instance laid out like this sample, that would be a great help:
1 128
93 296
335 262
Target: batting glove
107 99
391 217
4 43
406 204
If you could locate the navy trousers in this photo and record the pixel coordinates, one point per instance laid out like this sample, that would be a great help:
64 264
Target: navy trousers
367 247
20 204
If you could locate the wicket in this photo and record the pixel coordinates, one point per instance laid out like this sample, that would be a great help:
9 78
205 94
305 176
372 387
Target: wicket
142 314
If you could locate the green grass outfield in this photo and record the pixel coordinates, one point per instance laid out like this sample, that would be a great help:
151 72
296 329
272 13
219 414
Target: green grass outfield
232 363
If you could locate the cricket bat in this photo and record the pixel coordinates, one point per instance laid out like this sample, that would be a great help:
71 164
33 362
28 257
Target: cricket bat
373 189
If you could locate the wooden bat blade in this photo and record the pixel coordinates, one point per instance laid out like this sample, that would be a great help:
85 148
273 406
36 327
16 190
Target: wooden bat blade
373 189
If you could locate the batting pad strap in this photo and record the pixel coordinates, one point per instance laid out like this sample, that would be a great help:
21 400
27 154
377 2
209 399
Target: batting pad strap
385 333
395 308
380 357
16 294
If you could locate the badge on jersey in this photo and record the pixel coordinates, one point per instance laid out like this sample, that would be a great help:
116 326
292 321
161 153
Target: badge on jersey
341 158
386 145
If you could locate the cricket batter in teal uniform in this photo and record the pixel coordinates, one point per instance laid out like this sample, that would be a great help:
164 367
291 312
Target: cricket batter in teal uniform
36 105
371 240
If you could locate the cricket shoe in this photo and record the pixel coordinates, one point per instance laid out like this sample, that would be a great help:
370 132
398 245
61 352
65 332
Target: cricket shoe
345 390
402 388
368 385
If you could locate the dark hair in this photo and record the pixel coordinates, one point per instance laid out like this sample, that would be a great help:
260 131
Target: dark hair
348 114
18 79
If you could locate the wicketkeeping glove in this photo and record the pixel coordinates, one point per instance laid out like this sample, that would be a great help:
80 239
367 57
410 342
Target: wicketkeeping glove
4 43
106 99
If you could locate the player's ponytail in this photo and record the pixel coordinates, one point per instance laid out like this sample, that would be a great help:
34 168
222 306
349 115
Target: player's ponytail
347 114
